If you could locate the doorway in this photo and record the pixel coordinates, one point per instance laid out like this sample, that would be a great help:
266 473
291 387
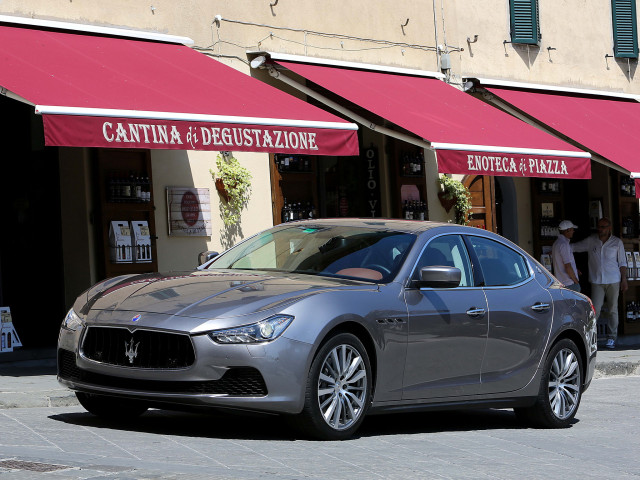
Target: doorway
506 202
31 264
482 191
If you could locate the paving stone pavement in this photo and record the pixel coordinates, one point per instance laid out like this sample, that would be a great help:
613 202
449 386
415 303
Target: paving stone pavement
45 434
489 444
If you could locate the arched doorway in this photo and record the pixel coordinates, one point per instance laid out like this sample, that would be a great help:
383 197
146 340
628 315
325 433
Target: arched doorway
482 189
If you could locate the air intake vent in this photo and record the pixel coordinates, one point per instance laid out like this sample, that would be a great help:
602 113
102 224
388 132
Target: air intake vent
237 381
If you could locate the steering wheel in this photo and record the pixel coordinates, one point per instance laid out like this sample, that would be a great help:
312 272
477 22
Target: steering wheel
378 268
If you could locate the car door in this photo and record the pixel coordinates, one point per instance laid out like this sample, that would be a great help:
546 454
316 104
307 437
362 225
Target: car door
520 315
447 328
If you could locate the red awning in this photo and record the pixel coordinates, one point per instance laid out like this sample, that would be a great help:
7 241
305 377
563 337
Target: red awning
104 91
606 126
469 136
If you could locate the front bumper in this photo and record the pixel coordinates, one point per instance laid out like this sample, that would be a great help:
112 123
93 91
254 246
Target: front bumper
268 377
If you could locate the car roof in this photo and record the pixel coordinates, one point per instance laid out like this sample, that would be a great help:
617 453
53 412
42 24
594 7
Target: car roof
409 226
415 227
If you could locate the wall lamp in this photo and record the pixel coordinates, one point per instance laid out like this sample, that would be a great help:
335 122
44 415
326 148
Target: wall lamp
258 61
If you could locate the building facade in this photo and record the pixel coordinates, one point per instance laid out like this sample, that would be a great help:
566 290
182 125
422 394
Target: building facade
54 197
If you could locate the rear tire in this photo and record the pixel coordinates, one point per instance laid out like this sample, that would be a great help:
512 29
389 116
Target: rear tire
112 408
560 389
338 390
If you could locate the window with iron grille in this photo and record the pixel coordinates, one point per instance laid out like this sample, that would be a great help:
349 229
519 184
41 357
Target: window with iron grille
525 23
625 28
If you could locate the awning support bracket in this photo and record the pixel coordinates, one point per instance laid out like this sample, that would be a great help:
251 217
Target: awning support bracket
345 111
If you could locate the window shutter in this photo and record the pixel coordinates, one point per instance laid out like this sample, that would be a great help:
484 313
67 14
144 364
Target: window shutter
524 21
625 29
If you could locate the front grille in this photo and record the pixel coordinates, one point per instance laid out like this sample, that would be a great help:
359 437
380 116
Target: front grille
140 348
237 381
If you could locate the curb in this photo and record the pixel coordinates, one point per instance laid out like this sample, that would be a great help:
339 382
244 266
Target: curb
610 369
53 398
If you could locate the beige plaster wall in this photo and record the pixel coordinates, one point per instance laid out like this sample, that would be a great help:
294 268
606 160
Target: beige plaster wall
576 36
191 169
437 213
304 27
76 222
525 225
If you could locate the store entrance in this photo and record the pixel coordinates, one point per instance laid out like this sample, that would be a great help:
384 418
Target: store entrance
482 189
31 269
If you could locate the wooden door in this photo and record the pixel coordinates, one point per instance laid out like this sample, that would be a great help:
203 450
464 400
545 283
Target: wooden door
482 188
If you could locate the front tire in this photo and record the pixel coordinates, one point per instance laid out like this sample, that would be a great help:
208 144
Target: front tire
112 408
338 389
560 389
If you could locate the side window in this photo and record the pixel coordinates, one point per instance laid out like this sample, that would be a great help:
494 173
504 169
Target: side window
500 265
525 25
448 250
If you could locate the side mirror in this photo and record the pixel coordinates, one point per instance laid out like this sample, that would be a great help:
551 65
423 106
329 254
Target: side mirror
204 257
438 276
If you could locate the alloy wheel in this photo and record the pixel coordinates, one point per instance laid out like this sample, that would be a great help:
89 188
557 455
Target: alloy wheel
342 387
564 384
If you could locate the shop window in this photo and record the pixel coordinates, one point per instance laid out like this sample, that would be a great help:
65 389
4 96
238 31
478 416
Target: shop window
525 23
625 30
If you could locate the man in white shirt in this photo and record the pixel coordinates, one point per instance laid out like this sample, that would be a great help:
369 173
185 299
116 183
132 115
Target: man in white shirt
607 272
564 265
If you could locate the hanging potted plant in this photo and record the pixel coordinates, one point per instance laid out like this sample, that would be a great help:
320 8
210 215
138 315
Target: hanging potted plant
454 194
233 183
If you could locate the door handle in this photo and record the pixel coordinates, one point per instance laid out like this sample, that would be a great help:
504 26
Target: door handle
540 307
476 312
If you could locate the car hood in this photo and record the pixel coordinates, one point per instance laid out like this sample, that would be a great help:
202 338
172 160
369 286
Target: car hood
209 294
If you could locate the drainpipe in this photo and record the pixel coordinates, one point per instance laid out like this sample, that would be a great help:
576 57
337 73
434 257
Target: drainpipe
348 113
435 28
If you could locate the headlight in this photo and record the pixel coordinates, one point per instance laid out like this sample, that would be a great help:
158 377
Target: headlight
264 331
72 321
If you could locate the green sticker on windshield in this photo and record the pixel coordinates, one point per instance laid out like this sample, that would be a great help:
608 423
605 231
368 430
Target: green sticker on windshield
310 230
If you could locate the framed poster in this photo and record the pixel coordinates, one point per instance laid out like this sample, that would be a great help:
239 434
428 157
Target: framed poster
189 211
595 213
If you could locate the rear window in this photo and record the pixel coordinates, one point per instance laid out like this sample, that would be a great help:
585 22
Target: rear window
501 266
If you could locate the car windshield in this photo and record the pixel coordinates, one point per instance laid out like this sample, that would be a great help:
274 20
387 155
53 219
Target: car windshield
337 251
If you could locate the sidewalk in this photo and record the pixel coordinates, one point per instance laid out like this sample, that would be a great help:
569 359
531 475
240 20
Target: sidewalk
28 377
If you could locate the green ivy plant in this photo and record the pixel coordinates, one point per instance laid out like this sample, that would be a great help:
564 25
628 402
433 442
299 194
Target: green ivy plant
452 189
236 187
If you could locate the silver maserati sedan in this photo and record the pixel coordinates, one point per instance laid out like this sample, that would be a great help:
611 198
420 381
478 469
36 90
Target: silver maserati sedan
326 321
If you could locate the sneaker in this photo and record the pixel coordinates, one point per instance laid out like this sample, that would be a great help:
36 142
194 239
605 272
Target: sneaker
611 343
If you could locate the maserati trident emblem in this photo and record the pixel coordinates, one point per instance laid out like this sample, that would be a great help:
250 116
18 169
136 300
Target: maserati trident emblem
130 350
